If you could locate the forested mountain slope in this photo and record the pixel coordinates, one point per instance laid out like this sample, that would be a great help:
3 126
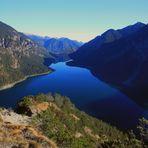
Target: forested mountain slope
19 56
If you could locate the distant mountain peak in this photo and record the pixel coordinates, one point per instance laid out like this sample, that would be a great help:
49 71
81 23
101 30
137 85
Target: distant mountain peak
62 45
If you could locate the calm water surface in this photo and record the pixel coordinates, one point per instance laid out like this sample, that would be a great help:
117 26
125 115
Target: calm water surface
85 91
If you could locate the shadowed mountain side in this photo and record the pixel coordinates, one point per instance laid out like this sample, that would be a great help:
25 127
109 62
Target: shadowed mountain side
109 36
122 63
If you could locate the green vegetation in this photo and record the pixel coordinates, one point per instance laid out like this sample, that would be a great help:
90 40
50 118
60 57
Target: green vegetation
19 56
27 66
71 128
143 130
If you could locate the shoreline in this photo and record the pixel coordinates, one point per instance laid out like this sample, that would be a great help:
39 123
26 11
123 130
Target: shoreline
7 86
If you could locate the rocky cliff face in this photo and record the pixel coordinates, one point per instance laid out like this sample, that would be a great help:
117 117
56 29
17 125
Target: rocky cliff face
19 56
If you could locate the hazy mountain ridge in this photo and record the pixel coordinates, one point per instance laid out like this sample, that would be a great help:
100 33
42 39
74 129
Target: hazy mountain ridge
19 56
57 46
40 40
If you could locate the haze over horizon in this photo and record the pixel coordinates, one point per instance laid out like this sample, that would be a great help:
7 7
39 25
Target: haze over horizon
78 20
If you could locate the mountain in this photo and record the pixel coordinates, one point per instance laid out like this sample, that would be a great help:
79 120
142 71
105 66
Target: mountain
19 56
59 47
122 63
52 121
62 45
38 39
107 37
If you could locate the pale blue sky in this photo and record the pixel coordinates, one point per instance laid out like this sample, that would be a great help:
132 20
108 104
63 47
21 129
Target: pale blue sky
76 19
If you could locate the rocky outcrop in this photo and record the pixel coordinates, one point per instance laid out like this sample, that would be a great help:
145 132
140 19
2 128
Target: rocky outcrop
16 131
33 109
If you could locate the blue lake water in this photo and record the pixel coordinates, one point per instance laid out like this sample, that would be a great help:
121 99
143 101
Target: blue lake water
85 91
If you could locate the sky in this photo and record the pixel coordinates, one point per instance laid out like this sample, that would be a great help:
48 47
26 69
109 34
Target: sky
76 19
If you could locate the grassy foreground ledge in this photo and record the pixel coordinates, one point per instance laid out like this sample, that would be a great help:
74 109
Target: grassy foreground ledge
58 119
52 121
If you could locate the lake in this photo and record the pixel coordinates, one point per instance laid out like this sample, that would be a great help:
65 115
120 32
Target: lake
88 93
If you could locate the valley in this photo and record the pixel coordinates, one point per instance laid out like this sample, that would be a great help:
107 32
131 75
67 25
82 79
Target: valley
72 94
